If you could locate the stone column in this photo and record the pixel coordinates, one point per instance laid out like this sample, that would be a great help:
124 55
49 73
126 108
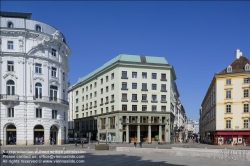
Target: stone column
138 133
166 136
149 133
127 134
160 133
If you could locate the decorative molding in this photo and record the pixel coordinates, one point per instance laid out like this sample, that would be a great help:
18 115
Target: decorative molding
10 74
39 79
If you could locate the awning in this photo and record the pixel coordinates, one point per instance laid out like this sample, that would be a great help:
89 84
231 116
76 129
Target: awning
232 132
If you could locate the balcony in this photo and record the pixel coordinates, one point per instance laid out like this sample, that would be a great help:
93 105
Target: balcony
95 106
163 90
124 88
163 101
144 89
163 79
4 97
101 104
124 77
124 100
154 101
112 101
106 102
50 99
144 100
134 100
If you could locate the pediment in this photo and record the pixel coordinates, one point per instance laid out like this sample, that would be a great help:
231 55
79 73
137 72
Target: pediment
11 75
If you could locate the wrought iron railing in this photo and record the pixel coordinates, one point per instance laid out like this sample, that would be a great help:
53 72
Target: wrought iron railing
51 99
9 97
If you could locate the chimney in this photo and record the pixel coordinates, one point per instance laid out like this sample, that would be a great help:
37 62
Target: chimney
238 53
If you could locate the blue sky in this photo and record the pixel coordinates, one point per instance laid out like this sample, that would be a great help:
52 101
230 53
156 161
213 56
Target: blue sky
198 38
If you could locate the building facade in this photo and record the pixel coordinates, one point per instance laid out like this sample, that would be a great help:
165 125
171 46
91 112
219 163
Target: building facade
33 86
193 128
128 99
224 115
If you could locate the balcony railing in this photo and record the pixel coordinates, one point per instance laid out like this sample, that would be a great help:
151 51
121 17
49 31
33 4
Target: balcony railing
9 97
51 99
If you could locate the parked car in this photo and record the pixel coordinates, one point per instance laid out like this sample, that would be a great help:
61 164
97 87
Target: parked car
84 139
71 139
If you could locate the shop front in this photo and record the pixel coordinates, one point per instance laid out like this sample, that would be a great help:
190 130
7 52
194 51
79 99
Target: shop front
231 137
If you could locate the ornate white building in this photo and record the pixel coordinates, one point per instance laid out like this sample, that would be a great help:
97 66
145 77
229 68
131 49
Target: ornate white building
33 85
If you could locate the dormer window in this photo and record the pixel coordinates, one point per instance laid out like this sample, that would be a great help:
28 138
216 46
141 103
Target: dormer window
229 69
247 67
10 25
38 28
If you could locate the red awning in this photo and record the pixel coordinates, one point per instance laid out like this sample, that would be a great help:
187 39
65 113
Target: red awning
232 132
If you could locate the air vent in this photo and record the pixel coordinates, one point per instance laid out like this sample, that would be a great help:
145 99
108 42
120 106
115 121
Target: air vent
143 59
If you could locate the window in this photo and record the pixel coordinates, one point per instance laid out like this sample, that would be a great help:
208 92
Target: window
246 107
10 66
112 108
83 115
38 68
112 97
107 99
90 95
83 107
112 86
134 107
163 77
63 76
101 110
163 97
144 96
38 113
144 75
247 67
124 107
10 45
38 90
83 98
134 74
245 124
124 85
228 124
107 109
144 107
102 81
95 94
10 25
144 86
124 74
154 87
228 94
134 85
246 80
38 28
53 92
229 69
163 87
87 97
163 108
90 86
112 76
87 89
228 81
53 72
124 96
101 100
95 84
154 98
54 114
95 103
228 108
154 75
153 107
107 78
53 52
76 100
82 90
246 93
64 116
10 87
134 96
76 93
102 91
107 88
10 112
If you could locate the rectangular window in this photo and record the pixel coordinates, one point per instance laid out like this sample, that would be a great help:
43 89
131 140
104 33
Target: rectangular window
102 91
95 94
76 93
10 66
144 86
82 90
163 97
53 52
90 95
134 74
163 87
228 124
124 85
10 45
107 88
112 76
153 107
87 89
154 75
63 76
246 93
144 75
246 80
112 108
134 96
124 107
39 113
77 109
144 107
246 107
107 109
107 99
102 81
112 97
10 112
163 108
112 86
134 107
38 68
53 72
228 94
76 100
101 100
245 124
163 76
124 74
228 108
124 96
87 97
154 87
228 82
54 114
134 85
144 96
107 78
154 98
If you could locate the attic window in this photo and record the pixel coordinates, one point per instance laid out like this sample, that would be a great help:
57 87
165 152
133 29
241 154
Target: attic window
229 69
247 67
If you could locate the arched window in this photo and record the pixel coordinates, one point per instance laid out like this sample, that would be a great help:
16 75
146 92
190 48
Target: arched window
38 28
10 87
53 92
38 90
10 24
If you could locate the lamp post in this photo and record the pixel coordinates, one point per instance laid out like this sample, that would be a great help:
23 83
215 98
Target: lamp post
106 137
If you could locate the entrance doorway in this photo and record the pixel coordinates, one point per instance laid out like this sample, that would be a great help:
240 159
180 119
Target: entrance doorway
53 135
11 135
38 135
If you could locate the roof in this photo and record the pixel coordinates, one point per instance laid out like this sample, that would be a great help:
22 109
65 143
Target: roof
15 14
127 58
238 65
